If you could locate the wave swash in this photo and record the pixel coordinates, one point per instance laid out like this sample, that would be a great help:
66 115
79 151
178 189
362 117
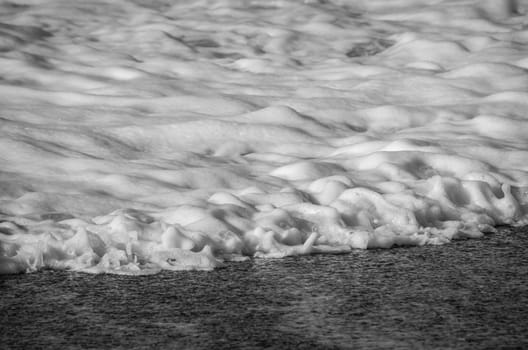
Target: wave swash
139 136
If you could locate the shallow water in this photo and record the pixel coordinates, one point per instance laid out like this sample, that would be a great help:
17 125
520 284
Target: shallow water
471 294
144 136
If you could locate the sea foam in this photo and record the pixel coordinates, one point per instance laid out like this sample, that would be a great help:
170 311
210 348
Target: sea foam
137 137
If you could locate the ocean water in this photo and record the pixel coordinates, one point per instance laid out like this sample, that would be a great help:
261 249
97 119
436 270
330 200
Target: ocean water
470 294
263 174
138 137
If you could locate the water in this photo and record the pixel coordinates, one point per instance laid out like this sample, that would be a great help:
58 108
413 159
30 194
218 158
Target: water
470 294
133 133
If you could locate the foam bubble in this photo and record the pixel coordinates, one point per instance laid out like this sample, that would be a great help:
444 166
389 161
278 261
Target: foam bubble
135 139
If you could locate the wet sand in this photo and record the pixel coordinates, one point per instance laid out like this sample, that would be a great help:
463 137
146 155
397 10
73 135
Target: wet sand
470 294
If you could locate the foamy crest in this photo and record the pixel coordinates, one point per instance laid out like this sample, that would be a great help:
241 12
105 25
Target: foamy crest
142 136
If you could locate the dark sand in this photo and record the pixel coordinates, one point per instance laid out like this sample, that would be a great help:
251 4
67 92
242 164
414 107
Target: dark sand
470 294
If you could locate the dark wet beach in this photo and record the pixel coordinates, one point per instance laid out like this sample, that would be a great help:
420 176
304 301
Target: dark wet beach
470 294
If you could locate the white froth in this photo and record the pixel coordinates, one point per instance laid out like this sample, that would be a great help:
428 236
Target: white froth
142 136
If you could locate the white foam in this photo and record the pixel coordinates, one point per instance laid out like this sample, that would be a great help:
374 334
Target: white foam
135 139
